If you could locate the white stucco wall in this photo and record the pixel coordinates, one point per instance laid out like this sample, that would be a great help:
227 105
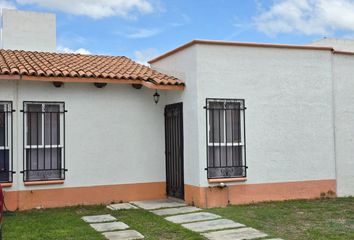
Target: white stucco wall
344 109
26 30
289 118
288 93
183 66
338 44
114 135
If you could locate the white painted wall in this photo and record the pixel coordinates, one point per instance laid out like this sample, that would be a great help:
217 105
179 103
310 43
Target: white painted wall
288 93
338 44
114 135
289 119
183 66
344 109
26 30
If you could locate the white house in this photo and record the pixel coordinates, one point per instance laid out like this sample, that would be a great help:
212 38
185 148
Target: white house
234 123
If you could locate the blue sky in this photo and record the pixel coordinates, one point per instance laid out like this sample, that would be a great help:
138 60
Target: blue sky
142 29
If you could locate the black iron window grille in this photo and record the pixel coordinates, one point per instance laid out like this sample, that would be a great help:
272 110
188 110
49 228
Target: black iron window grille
6 142
44 141
226 138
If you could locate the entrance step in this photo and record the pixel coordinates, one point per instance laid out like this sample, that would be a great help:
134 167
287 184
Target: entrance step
157 204
212 225
110 226
121 206
175 211
123 235
235 234
99 218
192 217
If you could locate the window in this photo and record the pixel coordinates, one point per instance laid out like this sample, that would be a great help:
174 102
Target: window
226 150
6 142
44 139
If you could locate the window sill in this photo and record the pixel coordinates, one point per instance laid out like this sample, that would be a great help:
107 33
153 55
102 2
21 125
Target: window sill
6 185
223 180
43 182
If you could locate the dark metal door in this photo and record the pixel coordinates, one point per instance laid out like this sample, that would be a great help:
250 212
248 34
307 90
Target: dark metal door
174 150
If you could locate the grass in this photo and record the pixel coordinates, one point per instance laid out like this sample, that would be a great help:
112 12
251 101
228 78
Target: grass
330 219
65 224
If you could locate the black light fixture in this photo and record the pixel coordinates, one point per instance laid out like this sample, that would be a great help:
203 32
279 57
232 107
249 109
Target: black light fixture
100 85
137 86
58 84
156 97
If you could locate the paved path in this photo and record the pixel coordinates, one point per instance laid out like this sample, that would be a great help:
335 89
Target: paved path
210 225
110 228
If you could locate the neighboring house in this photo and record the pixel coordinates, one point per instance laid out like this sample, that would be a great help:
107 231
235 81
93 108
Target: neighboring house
241 123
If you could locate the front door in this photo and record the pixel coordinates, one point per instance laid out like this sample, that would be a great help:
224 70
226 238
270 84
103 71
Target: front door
174 150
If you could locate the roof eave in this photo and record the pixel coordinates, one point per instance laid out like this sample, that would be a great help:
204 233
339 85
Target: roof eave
93 80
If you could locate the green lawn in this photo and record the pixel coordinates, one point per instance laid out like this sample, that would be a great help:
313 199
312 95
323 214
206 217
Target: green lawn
331 219
292 220
66 224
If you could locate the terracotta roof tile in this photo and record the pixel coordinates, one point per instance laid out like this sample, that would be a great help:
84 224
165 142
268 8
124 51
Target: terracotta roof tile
18 62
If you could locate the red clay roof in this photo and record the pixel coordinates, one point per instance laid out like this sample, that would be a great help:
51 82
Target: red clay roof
78 66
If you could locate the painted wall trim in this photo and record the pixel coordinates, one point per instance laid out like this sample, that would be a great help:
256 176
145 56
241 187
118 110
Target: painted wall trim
225 180
44 182
241 44
208 197
6 185
61 197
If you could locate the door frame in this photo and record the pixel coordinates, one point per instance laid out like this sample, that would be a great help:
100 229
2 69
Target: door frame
178 105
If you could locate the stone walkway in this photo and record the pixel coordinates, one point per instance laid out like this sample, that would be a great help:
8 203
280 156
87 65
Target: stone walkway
210 225
110 228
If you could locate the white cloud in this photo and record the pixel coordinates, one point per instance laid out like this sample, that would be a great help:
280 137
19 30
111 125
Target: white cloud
96 9
62 49
143 33
6 4
142 56
309 17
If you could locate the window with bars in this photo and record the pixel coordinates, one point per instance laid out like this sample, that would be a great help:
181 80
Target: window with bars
226 147
6 145
44 140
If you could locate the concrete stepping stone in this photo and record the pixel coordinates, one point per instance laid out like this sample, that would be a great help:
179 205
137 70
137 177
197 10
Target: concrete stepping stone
110 226
192 217
156 204
175 211
235 234
121 206
99 218
212 225
123 235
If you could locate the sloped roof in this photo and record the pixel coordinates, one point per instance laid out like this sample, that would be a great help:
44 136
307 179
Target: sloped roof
82 68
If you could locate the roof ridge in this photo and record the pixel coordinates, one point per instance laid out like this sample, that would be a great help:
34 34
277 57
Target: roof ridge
62 53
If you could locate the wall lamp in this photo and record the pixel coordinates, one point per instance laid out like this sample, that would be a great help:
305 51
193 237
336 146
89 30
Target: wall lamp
156 97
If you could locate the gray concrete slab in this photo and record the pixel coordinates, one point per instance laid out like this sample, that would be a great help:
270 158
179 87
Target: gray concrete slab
121 206
235 234
192 217
109 226
212 225
99 218
157 204
123 235
175 211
